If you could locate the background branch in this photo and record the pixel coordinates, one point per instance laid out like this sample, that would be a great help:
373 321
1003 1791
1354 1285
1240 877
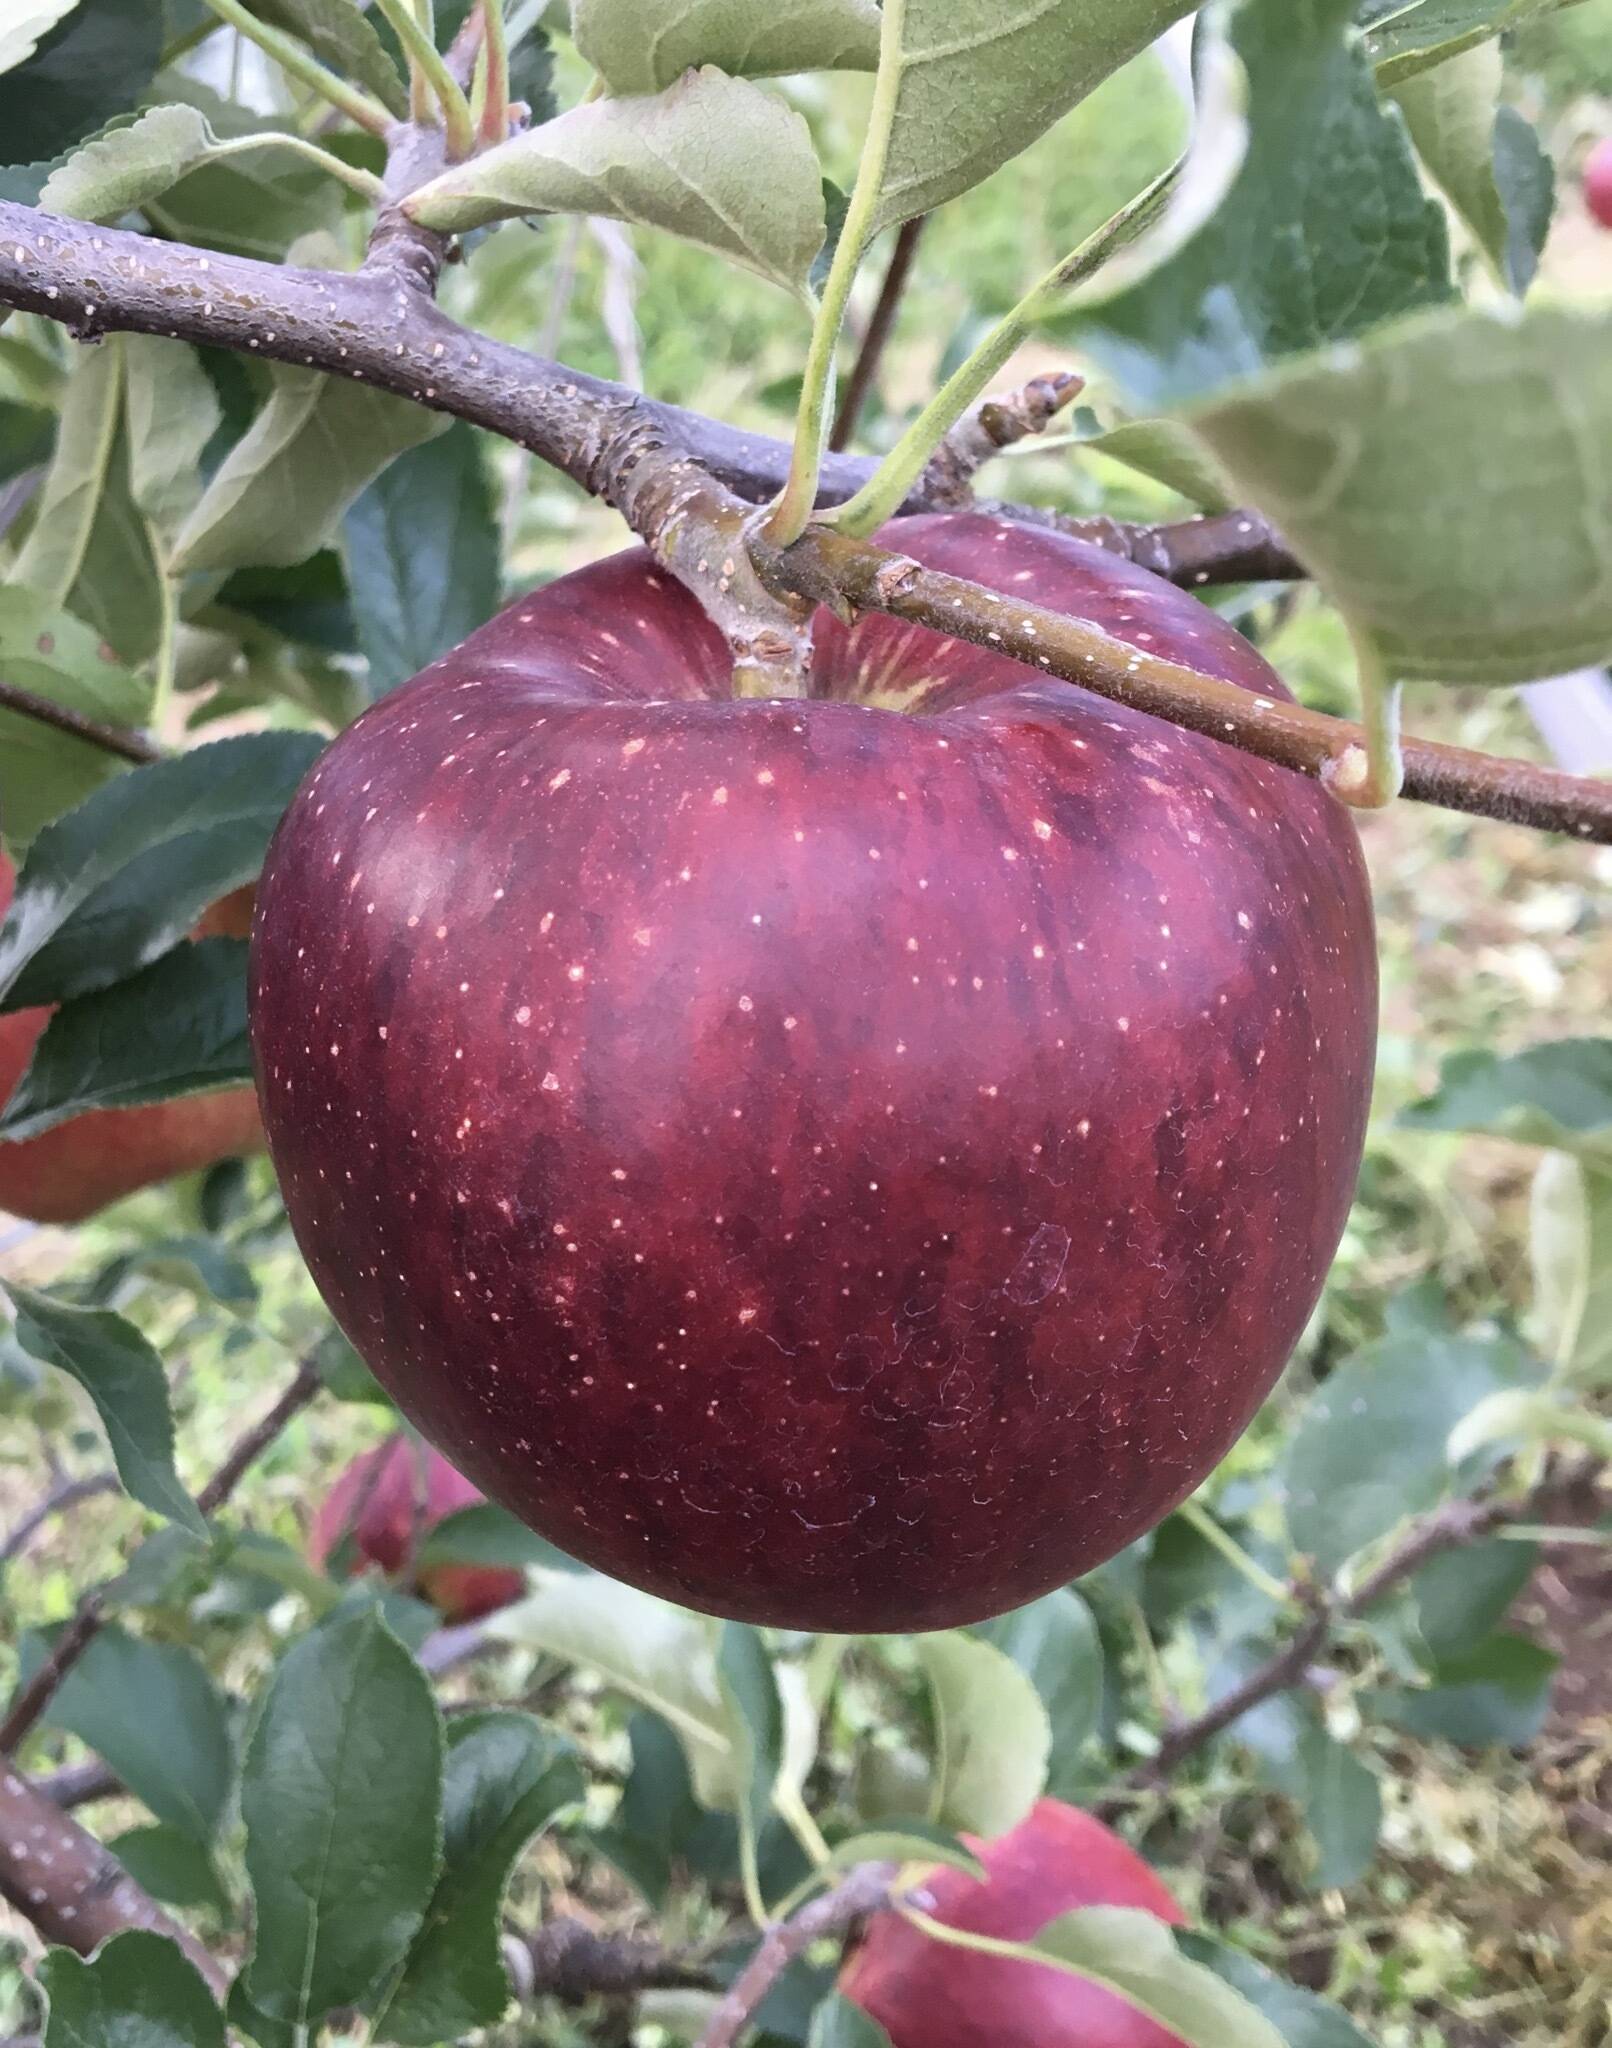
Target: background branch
60 1498
671 473
1450 1527
89 1614
860 1893
111 739
72 1888
877 332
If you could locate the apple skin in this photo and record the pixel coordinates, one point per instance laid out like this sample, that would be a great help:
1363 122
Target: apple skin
378 1500
927 1995
70 1172
1598 182
827 1167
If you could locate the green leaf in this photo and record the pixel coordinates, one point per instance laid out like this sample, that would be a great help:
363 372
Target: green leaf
837 2023
1407 39
974 82
713 159
120 169
53 555
1525 176
1338 1796
1570 1241
341 1796
176 1028
1325 232
114 884
138 1991
1558 1094
341 37
123 1376
642 46
755 1718
173 1867
277 496
1443 480
1054 1642
655 1653
1133 1954
1462 1596
993 1735
153 1715
171 414
345 1374
422 554
1370 1445
1167 452
46 650
1488 167
505 1776
258 204
26 434
88 548
489 1534
1301 2019
1497 1693
95 62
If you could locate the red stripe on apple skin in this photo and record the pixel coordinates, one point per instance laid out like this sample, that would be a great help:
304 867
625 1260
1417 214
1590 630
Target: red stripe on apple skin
829 1167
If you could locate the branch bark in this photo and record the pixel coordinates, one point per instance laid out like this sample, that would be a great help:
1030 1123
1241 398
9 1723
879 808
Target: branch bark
1450 1527
863 1891
72 1888
89 1614
684 482
60 1498
379 326
877 332
111 739
833 570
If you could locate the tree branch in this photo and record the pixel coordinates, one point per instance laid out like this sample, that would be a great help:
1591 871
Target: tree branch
877 332
833 570
1450 1527
568 1960
380 327
89 1614
683 482
863 1891
60 1498
111 739
72 1888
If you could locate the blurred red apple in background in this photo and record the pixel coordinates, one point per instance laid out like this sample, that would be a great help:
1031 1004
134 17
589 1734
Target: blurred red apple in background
68 1173
386 1502
852 1163
926 1994
1598 182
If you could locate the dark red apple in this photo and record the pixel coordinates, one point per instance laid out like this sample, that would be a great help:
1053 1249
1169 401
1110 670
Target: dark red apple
854 1163
68 1173
928 1995
1598 182
385 1503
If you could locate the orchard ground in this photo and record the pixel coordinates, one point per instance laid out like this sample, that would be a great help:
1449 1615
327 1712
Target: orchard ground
1486 1920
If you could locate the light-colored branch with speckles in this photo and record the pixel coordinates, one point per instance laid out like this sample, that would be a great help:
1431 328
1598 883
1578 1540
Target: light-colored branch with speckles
837 571
688 484
72 1888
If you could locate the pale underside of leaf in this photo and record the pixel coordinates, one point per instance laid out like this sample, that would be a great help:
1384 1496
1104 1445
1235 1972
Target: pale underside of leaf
279 493
713 159
979 80
642 46
121 169
1450 483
